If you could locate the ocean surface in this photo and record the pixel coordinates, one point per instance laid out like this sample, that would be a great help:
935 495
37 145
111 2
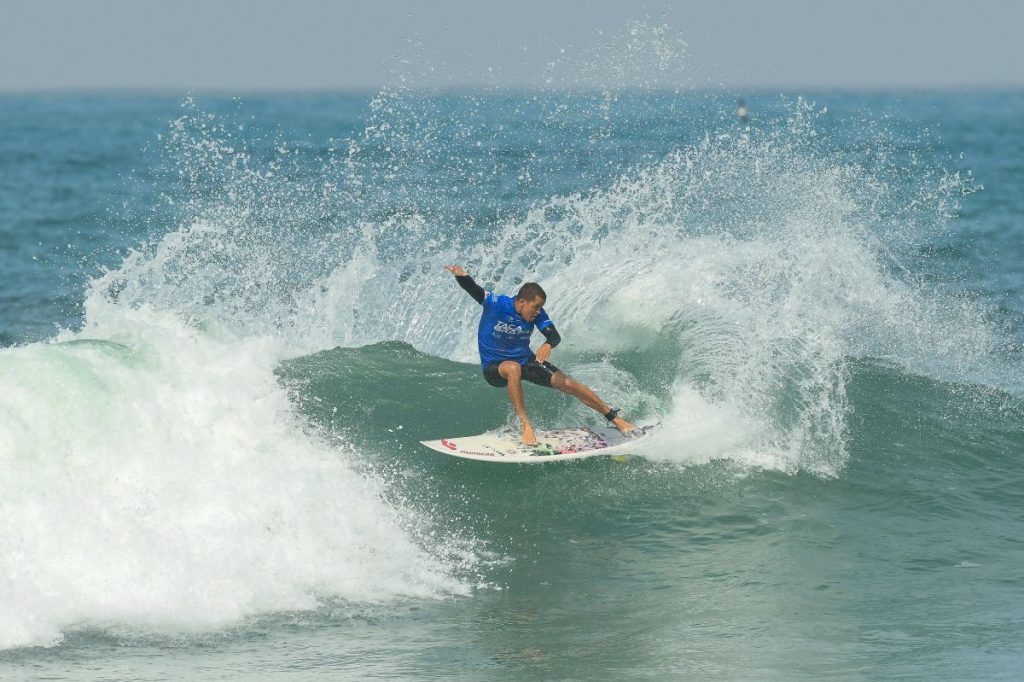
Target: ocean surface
224 326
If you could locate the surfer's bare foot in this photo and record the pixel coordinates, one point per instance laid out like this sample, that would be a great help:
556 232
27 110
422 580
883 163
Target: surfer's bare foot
528 437
623 425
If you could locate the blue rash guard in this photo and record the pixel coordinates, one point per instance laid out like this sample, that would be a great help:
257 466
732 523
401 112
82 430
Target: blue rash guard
503 334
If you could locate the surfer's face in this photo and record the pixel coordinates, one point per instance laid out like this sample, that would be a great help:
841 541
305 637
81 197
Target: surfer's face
529 310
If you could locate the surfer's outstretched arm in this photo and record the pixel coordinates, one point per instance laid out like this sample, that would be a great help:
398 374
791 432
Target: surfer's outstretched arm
467 283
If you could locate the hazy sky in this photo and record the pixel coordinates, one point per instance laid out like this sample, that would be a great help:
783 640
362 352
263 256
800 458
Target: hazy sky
300 44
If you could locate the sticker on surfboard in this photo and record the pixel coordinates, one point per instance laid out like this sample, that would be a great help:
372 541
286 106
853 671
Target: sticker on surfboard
555 445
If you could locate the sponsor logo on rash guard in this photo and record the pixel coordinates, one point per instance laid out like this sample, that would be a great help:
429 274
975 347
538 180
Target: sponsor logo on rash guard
504 328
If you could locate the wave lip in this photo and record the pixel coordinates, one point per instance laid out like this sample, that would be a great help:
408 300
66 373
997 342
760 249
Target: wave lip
161 480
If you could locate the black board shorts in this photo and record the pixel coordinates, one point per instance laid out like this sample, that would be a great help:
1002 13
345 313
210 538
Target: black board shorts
539 373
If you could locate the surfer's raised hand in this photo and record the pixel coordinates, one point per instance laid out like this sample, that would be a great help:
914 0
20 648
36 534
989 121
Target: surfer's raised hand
456 270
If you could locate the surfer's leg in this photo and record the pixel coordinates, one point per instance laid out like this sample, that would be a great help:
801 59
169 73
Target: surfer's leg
566 384
512 372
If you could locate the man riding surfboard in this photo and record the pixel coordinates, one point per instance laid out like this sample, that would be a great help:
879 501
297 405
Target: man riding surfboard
503 337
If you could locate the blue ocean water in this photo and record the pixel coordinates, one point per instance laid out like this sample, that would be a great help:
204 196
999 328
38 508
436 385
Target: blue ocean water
225 325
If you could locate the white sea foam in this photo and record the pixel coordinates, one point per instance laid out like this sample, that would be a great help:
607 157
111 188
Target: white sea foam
155 476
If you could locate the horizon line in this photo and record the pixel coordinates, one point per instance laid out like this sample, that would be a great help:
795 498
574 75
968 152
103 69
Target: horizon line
217 90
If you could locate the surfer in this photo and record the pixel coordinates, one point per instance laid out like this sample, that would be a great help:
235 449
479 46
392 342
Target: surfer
504 341
741 110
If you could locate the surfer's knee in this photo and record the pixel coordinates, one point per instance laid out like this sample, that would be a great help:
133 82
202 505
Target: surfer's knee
510 369
563 382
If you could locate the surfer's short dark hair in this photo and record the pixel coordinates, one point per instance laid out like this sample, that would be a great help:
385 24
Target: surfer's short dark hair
530 291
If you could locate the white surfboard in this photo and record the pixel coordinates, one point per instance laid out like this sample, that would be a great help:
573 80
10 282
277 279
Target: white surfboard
555 445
